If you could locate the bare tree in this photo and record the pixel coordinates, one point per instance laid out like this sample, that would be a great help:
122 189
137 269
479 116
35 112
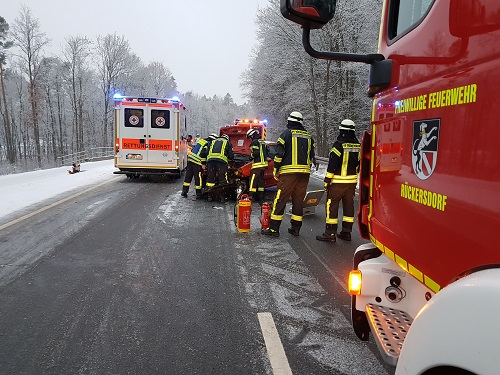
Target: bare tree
4 109
113 54
31 41
281 77
160 79
76 53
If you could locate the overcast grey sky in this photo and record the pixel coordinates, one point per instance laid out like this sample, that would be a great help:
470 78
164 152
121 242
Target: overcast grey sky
206 44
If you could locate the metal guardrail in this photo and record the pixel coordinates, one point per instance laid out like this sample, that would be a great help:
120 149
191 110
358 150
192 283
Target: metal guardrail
93 154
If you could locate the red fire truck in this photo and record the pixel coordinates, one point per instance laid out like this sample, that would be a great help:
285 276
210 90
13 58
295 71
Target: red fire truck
427 286
240 169
149 136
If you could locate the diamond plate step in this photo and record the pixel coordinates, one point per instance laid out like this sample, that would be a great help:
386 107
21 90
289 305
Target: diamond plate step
389 327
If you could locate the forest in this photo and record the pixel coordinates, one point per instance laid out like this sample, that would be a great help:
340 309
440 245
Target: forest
56 105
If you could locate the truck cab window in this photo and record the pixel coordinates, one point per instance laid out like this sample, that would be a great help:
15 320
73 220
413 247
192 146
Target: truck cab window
405 14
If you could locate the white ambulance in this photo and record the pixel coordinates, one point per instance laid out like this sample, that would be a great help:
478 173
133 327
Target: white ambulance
149 136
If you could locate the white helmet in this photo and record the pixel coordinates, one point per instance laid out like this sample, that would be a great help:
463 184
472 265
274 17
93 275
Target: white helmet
296 116
347 125
225 136
212 136
251 133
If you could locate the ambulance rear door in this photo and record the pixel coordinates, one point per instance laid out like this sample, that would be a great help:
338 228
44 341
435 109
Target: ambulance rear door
162 134
133 134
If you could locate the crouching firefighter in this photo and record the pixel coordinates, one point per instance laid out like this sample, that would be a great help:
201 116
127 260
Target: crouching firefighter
196 160
259 156
292 167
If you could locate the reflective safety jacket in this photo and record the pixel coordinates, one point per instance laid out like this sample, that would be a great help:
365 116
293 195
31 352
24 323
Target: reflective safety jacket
343 163
294 151
220 150
259 154
197 154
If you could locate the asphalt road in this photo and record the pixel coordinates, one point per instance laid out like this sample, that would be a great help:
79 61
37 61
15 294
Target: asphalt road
130 278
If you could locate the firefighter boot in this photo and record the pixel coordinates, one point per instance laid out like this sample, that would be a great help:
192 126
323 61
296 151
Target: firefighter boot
346 236
199 194
294 228
273 230
184 191
329 234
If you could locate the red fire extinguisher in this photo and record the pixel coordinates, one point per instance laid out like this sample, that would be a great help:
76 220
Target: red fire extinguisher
264 216
242 212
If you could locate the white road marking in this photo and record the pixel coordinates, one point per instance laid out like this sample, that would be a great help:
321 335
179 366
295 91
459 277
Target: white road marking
27 216
275 351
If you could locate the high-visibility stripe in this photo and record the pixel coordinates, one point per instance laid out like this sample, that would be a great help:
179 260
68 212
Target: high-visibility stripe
412 270
296 217
345 179
348 219
295 155
273 215
295 169
332 221
252 188
345 161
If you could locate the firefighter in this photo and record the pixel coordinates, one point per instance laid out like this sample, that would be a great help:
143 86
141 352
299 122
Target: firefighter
196 160
340 182
204 154
220 154
259 157
292 167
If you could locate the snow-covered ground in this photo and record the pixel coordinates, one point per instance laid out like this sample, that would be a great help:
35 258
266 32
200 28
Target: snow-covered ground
18 191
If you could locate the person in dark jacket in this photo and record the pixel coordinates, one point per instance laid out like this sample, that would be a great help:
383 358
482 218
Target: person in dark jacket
292 167
259 156
340 182
220 154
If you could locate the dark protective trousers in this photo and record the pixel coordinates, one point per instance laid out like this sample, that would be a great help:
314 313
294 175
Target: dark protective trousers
217 173
292 185
193 170
336 193
256 187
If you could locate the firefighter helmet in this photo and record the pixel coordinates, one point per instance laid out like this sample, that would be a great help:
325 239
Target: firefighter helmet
225 136
212 136
296 116
252 132
347 125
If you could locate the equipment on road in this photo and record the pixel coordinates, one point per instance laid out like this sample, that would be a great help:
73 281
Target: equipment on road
428 285
242 213
311 201
75 168
149 136
265 215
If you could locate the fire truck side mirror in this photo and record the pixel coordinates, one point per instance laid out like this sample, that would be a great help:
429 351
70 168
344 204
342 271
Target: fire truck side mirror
313 14
473 17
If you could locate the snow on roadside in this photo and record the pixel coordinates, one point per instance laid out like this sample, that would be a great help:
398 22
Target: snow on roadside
18 191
